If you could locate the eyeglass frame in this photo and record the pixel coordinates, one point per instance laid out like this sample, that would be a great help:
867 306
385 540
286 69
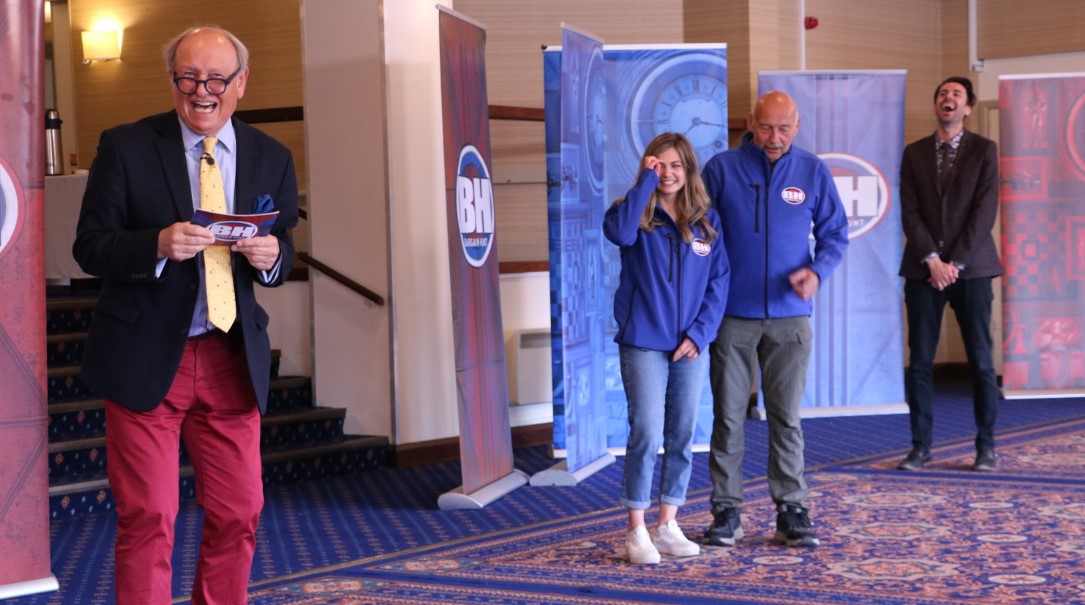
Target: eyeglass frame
225 83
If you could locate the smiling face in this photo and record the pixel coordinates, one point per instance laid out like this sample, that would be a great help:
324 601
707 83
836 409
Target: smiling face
951 104
672 173
206 54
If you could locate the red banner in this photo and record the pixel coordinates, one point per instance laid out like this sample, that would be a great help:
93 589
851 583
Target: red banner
482 386
24 489
1042 172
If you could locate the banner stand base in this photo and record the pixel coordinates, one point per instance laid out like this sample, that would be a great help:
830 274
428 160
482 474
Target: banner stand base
457 500
29 587
1041 393
559 474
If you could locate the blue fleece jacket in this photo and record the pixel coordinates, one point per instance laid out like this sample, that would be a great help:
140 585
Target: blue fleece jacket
668 289
767 213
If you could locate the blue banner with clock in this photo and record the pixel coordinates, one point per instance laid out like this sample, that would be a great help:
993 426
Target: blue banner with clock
596 130
854 121
575 119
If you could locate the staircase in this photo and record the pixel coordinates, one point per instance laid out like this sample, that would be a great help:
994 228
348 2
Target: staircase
299 441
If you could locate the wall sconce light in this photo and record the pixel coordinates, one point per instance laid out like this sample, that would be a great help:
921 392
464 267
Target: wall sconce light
101 46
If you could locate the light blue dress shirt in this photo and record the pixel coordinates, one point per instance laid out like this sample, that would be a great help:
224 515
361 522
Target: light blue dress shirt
225 153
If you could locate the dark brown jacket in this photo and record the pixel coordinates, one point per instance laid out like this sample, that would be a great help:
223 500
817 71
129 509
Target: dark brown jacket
957 222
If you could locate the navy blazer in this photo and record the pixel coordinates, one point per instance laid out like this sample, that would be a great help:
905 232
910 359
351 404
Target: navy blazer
138 185
956 222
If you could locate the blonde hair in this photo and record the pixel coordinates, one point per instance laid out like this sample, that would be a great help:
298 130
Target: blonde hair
692 202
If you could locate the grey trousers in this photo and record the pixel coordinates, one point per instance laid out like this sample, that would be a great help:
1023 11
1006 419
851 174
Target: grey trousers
781 348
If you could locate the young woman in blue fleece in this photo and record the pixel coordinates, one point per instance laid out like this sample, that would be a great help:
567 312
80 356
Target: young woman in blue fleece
668 307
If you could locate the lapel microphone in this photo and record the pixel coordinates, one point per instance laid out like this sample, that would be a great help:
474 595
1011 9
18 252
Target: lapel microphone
210 159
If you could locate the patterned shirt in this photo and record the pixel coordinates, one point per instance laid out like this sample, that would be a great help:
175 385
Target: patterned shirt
947 157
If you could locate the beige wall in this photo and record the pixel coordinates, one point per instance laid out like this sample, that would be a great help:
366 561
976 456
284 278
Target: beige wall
1012 28
115 92
928 38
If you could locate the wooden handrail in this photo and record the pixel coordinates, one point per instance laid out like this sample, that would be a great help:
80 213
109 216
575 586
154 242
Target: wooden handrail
342 279
512 112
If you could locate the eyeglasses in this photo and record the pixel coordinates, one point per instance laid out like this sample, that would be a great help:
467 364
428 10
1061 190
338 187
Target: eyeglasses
214 86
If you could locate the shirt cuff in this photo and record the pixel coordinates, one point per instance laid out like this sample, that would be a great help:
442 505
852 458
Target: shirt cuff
928 257
272 274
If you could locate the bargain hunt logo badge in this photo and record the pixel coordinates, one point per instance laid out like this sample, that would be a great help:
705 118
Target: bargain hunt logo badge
474 206
863 189
11 217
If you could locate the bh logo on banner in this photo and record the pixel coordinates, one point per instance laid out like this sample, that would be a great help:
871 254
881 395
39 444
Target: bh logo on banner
9 209
474 206
863 189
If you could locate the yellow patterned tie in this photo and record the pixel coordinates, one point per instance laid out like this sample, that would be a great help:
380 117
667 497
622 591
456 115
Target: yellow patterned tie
218 278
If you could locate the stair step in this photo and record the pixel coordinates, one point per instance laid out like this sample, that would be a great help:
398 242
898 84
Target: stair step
81 418
298 441
67 314
64 354
346 455
75 457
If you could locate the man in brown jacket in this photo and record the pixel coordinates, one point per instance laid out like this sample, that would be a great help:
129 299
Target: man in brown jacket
949 201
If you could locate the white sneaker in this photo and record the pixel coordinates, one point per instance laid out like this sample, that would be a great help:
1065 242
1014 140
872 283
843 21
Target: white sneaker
670 540
639 548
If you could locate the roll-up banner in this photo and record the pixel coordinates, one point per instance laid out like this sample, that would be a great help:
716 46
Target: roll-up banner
854 121
24 483
481 381
576 119
592 159
1042 174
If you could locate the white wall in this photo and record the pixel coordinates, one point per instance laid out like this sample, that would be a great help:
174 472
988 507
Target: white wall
392 367
525 305
425 373
344 95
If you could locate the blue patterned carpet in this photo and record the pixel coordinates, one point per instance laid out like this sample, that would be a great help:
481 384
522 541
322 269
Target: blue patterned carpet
943 535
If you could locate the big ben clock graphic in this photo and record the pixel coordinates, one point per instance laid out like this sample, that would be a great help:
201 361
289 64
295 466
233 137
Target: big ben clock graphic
594 127
686 94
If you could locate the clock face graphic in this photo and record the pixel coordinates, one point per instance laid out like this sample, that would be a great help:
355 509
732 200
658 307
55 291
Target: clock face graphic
595 112
687 95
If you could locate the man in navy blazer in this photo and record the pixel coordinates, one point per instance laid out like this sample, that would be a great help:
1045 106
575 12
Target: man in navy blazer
949 201
166 372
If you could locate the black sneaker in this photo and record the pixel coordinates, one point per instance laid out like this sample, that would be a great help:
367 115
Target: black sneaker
986 461
916 460
725 529
793 526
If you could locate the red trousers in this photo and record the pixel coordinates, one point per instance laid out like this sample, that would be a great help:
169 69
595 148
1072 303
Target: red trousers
212 407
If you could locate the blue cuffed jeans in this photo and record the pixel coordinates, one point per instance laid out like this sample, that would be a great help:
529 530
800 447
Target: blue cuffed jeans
662 396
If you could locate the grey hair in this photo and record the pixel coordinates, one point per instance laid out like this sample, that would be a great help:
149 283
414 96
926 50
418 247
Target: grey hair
169 52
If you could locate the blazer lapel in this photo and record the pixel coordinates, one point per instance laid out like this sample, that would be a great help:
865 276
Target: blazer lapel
172 154
247 161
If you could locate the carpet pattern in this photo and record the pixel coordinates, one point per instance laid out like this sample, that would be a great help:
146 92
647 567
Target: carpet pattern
315 531
1045 452
933 537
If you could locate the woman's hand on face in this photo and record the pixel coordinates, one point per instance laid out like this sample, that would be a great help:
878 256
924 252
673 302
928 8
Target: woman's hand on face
652 163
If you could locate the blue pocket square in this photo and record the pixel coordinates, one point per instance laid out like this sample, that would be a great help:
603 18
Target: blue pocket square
263 204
